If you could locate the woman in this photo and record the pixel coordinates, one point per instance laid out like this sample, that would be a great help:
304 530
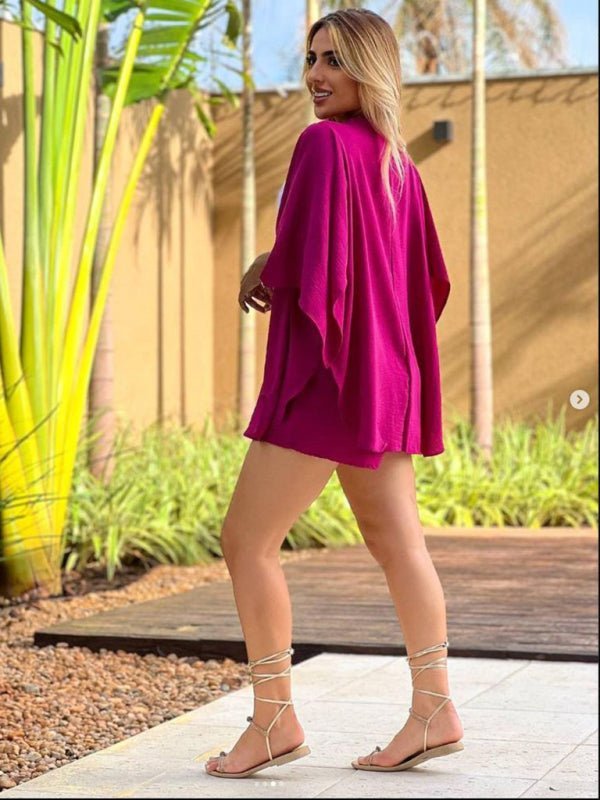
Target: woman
355 282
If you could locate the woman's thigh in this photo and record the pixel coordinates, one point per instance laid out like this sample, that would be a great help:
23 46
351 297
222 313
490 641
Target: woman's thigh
384 502
274 487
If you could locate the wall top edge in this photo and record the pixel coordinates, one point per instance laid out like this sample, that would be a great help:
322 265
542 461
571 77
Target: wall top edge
425 80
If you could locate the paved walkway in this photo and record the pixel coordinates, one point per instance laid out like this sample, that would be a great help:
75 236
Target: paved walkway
530 731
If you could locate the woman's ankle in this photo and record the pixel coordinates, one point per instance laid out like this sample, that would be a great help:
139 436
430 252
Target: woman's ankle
287 719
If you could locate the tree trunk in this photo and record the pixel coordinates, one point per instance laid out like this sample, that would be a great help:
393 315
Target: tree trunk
313 13
100 398
247 355
482 410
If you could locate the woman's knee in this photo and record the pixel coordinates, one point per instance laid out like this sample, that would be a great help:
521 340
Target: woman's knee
393 539
242 542
274 488
245 539
401 556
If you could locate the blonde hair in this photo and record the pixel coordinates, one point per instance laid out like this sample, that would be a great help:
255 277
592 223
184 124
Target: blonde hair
368 52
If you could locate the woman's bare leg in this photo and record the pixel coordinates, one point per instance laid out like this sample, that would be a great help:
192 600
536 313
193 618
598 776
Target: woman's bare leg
275 486
384 503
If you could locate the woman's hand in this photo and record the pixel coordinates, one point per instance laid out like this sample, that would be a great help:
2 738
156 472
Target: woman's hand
253 289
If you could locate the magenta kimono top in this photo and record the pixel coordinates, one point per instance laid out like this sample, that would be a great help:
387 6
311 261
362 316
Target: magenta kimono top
355 294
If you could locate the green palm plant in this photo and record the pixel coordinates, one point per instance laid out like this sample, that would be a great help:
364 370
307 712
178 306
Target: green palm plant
68 23
48 367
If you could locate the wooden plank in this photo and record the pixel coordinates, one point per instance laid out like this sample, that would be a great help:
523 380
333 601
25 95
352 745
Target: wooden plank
514 596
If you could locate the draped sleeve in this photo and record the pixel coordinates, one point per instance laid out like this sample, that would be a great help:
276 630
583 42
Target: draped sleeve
311 249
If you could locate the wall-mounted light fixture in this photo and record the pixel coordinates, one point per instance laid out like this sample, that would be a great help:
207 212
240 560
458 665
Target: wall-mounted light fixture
443 130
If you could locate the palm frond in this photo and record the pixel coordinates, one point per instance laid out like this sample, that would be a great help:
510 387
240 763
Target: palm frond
166 59
65 21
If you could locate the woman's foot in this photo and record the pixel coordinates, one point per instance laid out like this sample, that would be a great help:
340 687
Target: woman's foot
445 727
251 748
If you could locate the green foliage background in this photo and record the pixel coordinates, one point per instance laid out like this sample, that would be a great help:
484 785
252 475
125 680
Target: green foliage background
168 495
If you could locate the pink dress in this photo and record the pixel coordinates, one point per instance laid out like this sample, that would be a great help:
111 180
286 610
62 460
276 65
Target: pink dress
352 367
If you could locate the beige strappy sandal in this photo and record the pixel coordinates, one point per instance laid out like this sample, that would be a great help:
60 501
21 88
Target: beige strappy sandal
425 754
298 752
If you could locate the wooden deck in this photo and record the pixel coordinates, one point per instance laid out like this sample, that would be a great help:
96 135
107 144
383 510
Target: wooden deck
509 594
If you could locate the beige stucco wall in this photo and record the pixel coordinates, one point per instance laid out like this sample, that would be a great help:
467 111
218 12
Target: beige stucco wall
542 196
175 312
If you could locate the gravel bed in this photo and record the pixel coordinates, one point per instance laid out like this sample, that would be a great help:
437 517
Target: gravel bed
60 703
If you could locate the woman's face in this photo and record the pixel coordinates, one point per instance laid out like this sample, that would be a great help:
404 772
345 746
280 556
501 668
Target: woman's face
325 75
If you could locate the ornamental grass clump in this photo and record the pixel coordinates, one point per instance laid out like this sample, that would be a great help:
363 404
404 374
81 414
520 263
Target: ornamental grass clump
170 490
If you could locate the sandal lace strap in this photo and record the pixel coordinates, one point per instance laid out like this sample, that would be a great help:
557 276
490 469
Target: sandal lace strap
266 676
437 663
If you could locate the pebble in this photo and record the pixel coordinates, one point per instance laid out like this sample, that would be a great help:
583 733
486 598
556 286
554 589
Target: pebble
59 703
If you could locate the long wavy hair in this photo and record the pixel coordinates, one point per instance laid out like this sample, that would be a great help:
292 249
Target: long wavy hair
368 52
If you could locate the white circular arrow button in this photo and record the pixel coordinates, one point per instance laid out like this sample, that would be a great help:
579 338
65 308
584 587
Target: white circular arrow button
579 399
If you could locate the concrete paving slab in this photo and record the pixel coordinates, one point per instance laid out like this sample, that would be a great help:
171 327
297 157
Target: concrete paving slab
533 696
378 688
575 776
391 683
570 791
295 781
462 670
34 793
528 726
428 783
592 738
481 758
515 744
561 674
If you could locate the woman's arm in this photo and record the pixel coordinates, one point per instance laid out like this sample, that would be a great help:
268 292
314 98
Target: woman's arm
261 260
257 265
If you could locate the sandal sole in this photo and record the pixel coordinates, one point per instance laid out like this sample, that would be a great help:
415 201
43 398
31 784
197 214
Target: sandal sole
284 758
434 752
